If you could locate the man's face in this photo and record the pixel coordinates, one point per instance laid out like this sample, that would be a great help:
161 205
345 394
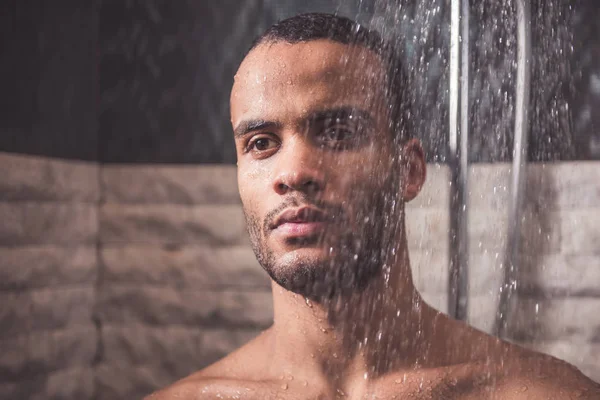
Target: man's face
317 170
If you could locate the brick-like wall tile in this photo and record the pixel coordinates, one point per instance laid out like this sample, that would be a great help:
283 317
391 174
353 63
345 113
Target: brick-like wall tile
25 223
189 266
150 184
71 383
44 179
573 318
45 309
192 307
37 352
179 350
562 275
173 224
47 265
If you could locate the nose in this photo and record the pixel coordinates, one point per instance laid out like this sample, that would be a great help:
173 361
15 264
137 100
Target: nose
300 169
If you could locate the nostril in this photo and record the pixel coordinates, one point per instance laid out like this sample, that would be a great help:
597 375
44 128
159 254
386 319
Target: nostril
282 187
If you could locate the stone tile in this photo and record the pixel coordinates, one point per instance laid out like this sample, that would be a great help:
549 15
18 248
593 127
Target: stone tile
187 266
174 350
71 383
173 224
430 270
486 273
48 265
29 178
489 186
38 352
579 231
119 303
160 184
427 229
564 185
436 190
566 319
572 185
45 309
562 275
119 380
437 300
25 223
482 310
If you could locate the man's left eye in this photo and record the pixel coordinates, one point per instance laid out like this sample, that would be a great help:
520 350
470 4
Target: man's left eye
338 134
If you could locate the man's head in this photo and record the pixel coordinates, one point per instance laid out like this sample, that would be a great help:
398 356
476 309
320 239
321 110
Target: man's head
324 160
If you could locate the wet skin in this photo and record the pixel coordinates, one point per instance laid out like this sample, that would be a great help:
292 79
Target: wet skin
311 129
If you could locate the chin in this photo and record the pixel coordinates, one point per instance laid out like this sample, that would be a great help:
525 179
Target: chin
316 274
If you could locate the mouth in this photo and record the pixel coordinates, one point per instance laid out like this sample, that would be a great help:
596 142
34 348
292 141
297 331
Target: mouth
300 222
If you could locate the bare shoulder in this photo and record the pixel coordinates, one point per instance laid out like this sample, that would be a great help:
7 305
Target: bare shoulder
538 376
206 388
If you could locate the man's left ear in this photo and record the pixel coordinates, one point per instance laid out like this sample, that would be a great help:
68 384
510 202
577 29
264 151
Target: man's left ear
415 169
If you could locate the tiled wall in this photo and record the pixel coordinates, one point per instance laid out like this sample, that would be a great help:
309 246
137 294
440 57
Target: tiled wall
129 277
48 275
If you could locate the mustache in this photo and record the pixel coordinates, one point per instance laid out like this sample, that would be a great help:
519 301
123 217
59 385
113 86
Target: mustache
333 211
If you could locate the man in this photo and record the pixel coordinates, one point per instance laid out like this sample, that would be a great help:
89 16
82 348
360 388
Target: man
325 167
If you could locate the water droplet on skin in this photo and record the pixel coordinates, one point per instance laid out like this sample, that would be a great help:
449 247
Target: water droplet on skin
366 375
284 386
308 303
340 392
312 355
335 355
524 388
290 378
305 383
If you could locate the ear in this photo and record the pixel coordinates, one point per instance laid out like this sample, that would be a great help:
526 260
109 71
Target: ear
415 169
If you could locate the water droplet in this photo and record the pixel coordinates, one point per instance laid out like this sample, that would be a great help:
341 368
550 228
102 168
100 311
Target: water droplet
524 388
284 386
290 378
305 383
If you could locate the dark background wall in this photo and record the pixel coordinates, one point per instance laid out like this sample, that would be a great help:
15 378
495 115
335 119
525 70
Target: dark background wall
48 78
148 81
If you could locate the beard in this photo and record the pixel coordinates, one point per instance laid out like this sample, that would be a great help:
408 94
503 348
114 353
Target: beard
357 251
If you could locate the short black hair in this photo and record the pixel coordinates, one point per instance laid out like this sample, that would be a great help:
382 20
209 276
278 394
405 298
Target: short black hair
314 26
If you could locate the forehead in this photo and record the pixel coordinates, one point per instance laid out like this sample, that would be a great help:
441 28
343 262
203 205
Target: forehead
282 78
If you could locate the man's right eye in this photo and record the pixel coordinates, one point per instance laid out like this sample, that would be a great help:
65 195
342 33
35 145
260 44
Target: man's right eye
261 144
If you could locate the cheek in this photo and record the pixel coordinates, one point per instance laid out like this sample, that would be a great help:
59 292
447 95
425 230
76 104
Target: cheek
364 171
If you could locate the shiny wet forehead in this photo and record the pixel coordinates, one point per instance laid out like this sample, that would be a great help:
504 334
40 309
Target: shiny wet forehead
304 74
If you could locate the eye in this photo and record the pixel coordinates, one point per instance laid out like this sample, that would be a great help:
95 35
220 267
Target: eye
337 133
260 144
341 135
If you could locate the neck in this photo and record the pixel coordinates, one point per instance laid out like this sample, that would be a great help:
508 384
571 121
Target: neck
364 334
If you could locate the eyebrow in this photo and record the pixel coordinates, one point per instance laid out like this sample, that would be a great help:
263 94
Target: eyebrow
251 125
245 127
341 113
